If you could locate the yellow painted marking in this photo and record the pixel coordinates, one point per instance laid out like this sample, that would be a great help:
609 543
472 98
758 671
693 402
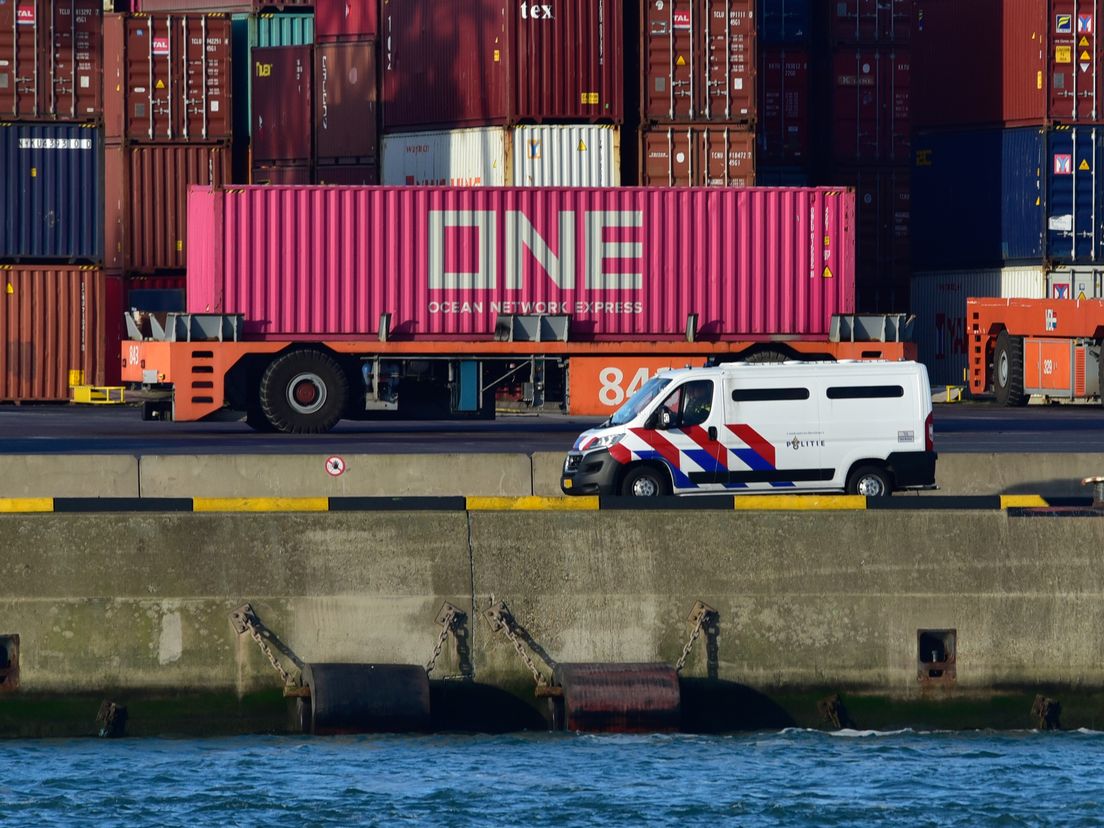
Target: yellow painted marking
260 504
1012 501
26 504
796 503
532 504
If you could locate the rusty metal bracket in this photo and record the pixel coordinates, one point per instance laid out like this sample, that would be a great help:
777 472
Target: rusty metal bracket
245 621
452 621
702 616
500 617
502 620
243 618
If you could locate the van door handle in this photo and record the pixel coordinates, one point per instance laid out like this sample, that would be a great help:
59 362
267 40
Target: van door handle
712 432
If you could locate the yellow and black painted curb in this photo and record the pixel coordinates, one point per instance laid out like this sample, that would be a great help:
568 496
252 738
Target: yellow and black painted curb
1015 504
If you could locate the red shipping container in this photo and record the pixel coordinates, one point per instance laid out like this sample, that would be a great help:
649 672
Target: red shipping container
875 22
698 61
282 174
882 209
347 175
451 63
283 114
785 92
226 6
697 156
52 321
624 263
345 96
50 56
167 77
871 116
146 201
345 19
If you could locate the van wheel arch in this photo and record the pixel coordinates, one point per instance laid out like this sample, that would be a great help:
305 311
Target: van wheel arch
867 471
662 473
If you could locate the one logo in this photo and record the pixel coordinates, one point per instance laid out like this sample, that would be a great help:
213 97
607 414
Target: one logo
1084 23
1061 291
264 70
1063 24
1051 320
681 20
161 46
25 15
1063 163
795 443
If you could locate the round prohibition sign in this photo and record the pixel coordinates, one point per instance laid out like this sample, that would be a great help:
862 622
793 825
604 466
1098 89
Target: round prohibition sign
335 466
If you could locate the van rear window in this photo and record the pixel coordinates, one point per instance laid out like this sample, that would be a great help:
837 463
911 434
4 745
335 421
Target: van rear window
769 394
865 392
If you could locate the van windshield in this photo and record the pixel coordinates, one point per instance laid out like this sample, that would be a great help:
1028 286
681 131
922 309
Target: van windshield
639 401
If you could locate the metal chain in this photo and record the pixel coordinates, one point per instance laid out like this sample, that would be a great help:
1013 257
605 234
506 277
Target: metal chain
256 636
540 679
441 639
690 644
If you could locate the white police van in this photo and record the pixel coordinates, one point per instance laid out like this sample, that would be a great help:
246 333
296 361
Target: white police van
864 427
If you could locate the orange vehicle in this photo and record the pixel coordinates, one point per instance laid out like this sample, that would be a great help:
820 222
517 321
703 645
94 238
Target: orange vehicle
307 386
1049 347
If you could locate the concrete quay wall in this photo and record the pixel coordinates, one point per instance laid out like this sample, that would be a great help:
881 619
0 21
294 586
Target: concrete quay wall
137 606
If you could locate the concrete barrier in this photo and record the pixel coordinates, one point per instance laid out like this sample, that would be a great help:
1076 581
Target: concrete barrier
384 475
1055 475
68 475
547 466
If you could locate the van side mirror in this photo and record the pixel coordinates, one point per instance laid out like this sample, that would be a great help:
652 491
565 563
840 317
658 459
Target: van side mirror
663 418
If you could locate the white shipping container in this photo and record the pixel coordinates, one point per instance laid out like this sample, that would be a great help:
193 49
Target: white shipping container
522 156
1075 283
938 300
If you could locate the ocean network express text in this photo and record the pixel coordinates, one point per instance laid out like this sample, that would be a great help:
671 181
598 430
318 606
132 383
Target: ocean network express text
593 263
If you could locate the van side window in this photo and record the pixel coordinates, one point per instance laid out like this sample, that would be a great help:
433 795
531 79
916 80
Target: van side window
690 403
865 392
769 394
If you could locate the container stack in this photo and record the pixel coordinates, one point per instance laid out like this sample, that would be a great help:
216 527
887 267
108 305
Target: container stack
784 151
55 302
168 124
698 98
868 67
1005 167
498 92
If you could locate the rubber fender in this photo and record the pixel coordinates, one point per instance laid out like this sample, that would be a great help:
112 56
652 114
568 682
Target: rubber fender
365 698
619 698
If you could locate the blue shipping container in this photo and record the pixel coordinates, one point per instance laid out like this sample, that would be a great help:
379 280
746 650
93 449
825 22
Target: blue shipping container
984 198
784 21
51 193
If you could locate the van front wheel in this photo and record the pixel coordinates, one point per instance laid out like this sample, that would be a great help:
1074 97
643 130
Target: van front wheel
644 481
869 481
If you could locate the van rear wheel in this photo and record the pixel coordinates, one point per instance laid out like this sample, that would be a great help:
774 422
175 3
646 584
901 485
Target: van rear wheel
869 481
644 481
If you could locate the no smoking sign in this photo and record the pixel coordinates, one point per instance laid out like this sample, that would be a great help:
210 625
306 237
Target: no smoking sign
335 466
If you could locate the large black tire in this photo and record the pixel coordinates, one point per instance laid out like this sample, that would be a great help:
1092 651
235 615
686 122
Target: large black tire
1008 370
768 355
304 392
645 481
870 481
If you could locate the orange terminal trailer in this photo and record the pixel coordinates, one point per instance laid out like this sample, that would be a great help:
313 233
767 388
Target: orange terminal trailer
303 386
1049 347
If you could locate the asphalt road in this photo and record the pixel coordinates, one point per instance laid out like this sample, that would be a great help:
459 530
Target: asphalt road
120 430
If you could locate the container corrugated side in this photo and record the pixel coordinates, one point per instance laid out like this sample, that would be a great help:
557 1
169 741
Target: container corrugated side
346 92
240 6
146 201
623 263
1072 282
583 155
347 19
51 204
250 31
691 155
50 60
461 63
283 112
873 22
52 321
938 299
871 109
785 101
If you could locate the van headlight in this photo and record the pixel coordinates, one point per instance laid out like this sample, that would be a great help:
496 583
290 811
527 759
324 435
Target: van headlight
605 441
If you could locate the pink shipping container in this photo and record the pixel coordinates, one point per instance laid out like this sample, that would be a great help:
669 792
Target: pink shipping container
623 263
167 77
786 98
283 116
53 320
452 63
50 60
871 115
345 19
698 61
875 21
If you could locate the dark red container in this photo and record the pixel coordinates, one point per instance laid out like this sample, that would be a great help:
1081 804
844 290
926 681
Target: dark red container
347 174
167 77
785 101
243 6
874 22
698 61
53 321
50 60
345 96
697 156
345 19
450 63
297 174
283 114
871 115
146 201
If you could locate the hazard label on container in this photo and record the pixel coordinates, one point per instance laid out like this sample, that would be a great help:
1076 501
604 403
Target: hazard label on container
1084 166
582 146
681 20
588 98
1083 43
1084 23
1085 56
827 274
1063 24
1063 163
1063 54
681 61
159 85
